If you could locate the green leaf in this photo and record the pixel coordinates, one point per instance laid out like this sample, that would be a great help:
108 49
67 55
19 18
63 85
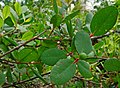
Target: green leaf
38 75
78 24
1 22
18 8
69 28
73 44
14 13
27 35
63 71
28 55
15 54
28 20
24 9
41 49
83 42
2 78
89 18
72 15
104 20
39 67
6 11
56 20
13 19
84 69
55 6
10 40
112 65
9 75
3 48
52 56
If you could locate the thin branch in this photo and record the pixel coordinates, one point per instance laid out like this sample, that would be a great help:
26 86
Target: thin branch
105 35
51 32
16 62
22 44
21 82
37 37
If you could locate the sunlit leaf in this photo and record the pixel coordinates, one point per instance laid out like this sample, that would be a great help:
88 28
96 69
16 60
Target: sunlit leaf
27 35
6 11
18 8
1 22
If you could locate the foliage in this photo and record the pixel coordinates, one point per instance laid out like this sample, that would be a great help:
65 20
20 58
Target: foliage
60 46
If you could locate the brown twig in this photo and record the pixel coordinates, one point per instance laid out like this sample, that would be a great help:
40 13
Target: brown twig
105 35
21 82
16 62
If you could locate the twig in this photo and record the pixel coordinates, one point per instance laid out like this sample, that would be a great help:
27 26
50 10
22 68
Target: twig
22 44
105 35
51 33
21 82
16 62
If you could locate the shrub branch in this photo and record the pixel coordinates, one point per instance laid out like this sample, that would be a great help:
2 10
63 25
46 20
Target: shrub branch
22 44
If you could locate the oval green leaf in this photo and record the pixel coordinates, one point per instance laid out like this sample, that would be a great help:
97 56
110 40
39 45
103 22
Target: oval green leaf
6 11
18 8
52 56
104 20
27 35
83 42
28 55
112 65
63 71
84 69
